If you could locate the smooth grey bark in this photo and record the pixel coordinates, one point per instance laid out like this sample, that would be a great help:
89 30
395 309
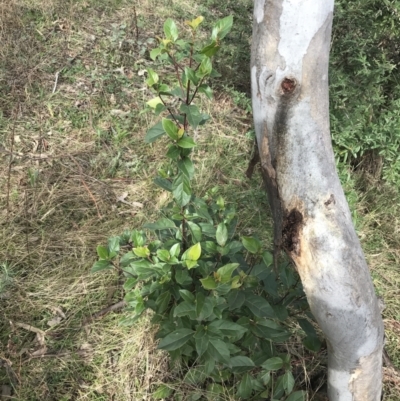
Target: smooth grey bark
312 220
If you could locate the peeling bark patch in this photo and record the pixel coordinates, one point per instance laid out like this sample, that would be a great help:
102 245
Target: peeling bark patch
290 232
288 85
331 200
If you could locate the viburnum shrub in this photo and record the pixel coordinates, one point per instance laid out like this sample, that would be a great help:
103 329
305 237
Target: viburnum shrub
220 307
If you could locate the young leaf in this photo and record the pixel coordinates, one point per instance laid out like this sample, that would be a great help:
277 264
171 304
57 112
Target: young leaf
194 23
193 253
102 252
153 103
221 234
176 339
186 142
154 53
205 68
222 28
210 49
141 251
154 133
170 128
170 30
208 283
152 77
253 245
224 273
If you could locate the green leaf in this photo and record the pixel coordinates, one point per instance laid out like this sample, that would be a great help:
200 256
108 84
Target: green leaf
154 53
176 339
192 114
191 75
218 350
221 234
184 309
224 273
259 306
228 328
162 391
194 23
130 283
297 396
245 387
186 142
113 246
204 306
222 28
268 258
175 250
182 277
195 230
288 382
170 30
253 245
163 183
203 88
137 238
162 301
101 265
205 68
201 344
181 190
185 165
193 253
235 299
153 103
241 363
170 128
274 363
152 77
210 49
173 152
187 296
154 133
208 283
102 252
141 251
163 255
161 224
312 343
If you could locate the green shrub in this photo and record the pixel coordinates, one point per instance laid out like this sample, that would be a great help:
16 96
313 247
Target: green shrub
221 308
365 85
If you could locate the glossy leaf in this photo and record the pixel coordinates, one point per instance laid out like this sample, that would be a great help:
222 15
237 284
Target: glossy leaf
186 142
102 252
224 273
170 128
209 283
222 28
253 245
176 339
101 265
170 30
221 234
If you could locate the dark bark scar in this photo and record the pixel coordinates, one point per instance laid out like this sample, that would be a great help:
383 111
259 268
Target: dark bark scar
292 223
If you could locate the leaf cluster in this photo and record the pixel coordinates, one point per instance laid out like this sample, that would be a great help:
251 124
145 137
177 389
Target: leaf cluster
220 306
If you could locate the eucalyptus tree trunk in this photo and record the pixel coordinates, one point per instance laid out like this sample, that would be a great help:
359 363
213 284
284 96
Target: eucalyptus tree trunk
289 72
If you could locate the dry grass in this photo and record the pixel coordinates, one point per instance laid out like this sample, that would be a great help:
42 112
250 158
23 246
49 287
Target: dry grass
68 156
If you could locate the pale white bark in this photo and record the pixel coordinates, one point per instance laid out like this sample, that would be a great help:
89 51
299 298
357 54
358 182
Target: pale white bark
289 72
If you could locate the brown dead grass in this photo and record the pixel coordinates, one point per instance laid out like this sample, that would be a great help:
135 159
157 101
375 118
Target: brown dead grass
66 158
